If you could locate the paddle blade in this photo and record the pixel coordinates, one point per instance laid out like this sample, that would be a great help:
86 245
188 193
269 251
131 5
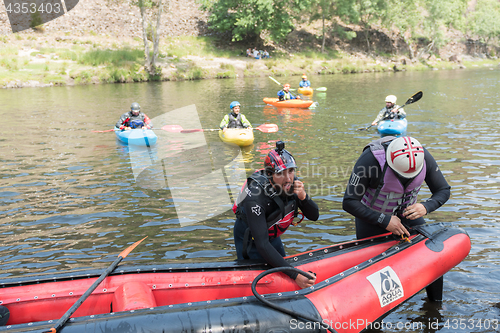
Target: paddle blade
268 128
172 128
321 89
129 249
417 96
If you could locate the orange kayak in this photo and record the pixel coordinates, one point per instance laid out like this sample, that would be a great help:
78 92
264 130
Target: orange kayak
291 103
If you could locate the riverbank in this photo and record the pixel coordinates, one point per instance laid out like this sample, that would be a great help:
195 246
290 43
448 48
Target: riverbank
33 59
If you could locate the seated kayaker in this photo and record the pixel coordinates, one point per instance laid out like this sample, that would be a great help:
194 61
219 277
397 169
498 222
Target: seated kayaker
304 83
265 209
234 119
390 111
134 119
285 94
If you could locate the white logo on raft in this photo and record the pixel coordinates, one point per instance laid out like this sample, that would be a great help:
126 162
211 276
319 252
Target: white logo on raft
387 285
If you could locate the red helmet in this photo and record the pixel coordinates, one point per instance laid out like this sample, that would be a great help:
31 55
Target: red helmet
405 155
279 159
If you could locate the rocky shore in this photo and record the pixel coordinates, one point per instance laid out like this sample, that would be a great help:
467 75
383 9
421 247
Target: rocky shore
94 24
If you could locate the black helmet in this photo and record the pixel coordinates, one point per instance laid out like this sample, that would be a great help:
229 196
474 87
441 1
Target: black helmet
135 107
279 159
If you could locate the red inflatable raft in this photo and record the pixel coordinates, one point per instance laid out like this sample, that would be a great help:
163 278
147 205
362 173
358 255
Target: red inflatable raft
358 283
290 103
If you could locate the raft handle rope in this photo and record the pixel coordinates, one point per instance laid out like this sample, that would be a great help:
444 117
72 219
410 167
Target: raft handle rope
279 308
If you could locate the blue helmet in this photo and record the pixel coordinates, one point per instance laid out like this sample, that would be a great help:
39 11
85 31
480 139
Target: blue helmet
233 104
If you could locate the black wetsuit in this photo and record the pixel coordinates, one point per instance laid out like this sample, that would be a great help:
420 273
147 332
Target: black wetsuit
256 208
366 173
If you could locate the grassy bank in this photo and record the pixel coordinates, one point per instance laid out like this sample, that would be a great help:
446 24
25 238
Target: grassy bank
42 59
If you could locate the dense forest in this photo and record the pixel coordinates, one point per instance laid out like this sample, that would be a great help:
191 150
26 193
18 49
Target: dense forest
422 26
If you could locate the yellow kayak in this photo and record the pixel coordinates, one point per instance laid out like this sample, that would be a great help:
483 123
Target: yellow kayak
305 91
238 136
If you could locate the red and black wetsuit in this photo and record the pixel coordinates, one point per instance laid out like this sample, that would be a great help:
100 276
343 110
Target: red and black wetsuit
127 117
260 216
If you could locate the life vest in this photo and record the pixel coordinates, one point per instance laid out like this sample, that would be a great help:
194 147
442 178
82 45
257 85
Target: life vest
136 120
388 114
287 96
390 196
234 122
136 123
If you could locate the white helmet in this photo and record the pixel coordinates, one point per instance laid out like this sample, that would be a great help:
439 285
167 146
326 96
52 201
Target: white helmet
405 155
391 99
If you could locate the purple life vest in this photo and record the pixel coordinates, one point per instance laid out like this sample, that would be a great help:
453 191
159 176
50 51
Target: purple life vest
391 197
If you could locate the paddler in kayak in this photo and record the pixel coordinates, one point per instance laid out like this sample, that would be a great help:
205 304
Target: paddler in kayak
285 94
134 119
390 111
234 119
383 188
266 207
304 83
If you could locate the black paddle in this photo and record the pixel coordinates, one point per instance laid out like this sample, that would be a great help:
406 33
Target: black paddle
417 96
60 323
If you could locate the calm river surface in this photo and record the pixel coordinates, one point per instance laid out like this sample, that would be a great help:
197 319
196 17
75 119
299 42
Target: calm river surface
72 199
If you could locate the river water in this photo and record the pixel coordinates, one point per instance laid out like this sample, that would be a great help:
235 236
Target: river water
73 199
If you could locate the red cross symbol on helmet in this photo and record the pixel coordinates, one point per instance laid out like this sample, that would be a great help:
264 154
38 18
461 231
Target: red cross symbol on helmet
405 155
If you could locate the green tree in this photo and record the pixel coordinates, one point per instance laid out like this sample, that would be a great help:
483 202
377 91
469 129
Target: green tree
369 12
246 19
404 16
441 15
485 20
322 10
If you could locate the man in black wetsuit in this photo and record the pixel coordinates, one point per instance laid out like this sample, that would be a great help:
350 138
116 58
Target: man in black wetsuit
265 209
383 188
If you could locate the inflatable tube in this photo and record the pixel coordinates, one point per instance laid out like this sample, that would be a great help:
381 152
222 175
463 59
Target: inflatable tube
137 137
358 282
290 103
236 136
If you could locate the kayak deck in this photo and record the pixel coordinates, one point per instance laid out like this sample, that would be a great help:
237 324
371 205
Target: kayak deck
239 136
137 137
290 103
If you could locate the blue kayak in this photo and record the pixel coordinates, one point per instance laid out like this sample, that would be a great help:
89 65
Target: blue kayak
137 137
394 127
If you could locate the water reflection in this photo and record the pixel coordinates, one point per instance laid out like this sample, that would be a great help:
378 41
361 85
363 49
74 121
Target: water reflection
71 198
